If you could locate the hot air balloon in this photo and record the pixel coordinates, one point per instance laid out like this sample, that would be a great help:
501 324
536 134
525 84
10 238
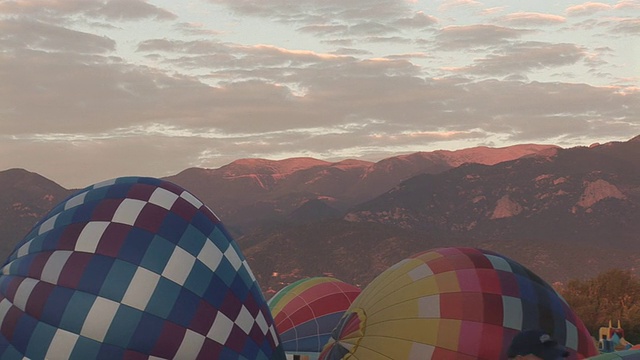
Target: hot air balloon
453 303
306 311
619 355
132 268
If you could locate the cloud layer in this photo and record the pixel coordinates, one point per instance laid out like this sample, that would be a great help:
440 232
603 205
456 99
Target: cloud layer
94 89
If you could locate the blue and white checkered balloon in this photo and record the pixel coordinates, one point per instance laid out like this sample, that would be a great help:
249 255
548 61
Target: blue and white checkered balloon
132 268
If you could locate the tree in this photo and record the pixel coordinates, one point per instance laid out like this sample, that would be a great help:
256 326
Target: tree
612 295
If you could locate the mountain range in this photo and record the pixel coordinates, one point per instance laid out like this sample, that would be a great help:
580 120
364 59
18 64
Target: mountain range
564 213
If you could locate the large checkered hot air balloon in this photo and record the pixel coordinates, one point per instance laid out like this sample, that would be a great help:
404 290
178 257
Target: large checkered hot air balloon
453 303
306 312
132 268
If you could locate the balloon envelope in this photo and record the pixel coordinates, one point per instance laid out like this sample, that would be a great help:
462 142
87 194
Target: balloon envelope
132 268
453 303
625 354
306 311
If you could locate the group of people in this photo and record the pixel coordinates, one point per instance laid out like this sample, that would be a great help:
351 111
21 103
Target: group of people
536 345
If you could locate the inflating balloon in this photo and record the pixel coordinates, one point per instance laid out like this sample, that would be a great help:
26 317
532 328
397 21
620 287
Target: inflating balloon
306 311
453 303
132 268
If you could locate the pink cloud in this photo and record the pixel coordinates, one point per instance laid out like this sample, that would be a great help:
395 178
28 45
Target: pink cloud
587 8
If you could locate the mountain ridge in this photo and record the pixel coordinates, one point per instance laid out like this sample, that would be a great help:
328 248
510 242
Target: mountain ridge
342 184
547 207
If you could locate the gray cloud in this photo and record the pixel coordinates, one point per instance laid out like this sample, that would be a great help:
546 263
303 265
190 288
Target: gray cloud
596 58
350 52
370 28
312 10
419 20
519 58
627 27
37 35
51 8
110 9
359 18
131 10
326 29
470 36
195 29
610 26
183 47
389 39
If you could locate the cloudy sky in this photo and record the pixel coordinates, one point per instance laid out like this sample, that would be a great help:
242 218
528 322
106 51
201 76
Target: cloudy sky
94 89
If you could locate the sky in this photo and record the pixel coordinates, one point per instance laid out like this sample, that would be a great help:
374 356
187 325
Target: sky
96 89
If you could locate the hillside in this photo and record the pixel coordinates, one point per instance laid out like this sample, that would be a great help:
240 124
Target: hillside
570 214
25 198
251 192
565 213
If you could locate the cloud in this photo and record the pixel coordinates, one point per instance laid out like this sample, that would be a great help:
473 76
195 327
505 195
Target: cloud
78 85
343 112
419 20
131 10
470 36
588 8
627 5
610 26
109 10
357 18
47 7
115 112
182 46
312 10
388 39
520 58
370 29
190 28
31 34
416 55
325 29
448 5
596 57
492 10
627 27
531 19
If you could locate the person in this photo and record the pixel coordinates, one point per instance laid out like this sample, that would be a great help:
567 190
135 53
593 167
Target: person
536 345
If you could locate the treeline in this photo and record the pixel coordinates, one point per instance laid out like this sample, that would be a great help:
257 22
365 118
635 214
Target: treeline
611 296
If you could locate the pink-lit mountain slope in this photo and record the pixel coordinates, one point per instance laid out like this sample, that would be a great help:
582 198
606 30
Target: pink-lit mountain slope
250 191
571 215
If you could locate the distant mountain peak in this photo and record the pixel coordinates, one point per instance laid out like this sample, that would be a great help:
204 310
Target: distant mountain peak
264 166
491 156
